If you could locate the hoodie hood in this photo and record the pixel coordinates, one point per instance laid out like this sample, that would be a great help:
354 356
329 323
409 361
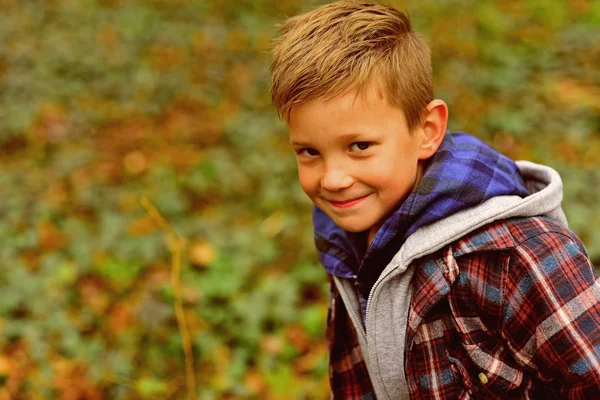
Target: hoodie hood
463 173
545 187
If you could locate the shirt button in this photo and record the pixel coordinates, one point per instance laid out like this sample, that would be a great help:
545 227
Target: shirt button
483 378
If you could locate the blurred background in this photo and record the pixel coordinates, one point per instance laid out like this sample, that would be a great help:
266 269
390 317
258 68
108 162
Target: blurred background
104 103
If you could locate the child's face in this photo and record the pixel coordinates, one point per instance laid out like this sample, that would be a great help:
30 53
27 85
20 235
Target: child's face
357 160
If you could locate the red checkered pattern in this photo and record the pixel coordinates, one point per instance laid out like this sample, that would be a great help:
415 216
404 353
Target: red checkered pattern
510 311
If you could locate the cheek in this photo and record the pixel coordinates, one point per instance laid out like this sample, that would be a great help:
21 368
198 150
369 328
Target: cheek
385 174
308 181
393 181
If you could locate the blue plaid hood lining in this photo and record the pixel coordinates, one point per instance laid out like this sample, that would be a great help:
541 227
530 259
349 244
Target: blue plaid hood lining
463 173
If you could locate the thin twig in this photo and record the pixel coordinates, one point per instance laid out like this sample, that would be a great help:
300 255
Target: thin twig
177 245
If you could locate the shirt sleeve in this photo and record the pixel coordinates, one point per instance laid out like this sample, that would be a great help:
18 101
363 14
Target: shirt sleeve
552 313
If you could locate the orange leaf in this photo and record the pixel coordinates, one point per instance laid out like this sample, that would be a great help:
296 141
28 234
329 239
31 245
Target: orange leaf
121 318
142 226
298 337
50 237
202 254
6 366
135 162
572 94
271 344
255 382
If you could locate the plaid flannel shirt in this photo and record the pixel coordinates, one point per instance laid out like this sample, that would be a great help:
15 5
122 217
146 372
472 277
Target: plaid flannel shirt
510 311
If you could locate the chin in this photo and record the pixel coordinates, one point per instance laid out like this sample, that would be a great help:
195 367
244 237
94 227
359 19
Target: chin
350 227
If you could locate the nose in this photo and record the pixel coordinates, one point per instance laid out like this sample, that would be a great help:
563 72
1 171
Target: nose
336 178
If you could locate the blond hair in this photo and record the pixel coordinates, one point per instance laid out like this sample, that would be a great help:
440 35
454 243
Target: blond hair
345 46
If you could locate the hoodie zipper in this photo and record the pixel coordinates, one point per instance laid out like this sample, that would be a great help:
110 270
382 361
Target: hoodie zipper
372 291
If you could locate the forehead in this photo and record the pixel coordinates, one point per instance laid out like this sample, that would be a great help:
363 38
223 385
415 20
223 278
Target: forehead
351 113
371 92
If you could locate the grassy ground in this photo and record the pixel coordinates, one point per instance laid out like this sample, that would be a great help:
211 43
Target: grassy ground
103 103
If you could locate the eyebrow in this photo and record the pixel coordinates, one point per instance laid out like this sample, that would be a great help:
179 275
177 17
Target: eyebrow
296 143
345 137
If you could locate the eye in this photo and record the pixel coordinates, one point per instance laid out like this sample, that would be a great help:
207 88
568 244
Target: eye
360 146
307 151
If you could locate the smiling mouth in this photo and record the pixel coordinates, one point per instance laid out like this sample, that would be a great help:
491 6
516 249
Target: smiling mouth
347 203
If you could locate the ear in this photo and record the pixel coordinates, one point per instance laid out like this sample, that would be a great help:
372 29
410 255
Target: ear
433 128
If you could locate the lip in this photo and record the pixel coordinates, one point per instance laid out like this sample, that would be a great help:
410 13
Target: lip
347 203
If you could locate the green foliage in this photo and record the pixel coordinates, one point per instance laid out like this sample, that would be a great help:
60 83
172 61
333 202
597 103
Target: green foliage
148 387
105 101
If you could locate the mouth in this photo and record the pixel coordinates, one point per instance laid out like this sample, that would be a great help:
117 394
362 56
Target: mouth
347 203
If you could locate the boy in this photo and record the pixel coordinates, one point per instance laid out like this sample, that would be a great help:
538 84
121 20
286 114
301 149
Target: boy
453 273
